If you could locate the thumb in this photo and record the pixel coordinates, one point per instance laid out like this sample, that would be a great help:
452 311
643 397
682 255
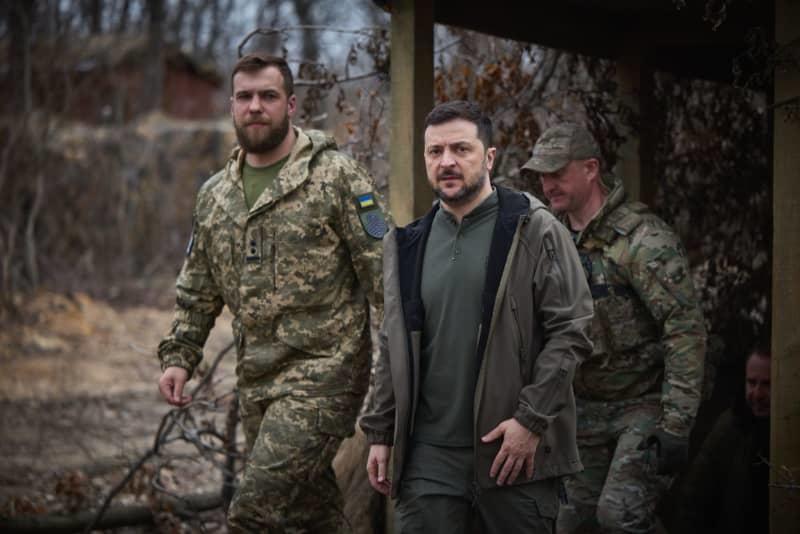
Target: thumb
495 433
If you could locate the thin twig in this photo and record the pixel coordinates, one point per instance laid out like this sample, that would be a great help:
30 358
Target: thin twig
167 423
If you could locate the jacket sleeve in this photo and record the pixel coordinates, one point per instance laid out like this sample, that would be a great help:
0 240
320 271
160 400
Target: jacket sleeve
661 278
197 306
378 420
379 417
564 309
365 247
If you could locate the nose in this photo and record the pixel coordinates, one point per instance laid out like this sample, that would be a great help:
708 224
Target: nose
255 104
447 158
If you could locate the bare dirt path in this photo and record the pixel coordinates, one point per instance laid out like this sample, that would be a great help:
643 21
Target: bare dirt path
79 400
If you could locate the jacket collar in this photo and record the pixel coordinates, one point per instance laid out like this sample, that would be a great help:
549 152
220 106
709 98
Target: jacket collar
411 241
597 226
294 173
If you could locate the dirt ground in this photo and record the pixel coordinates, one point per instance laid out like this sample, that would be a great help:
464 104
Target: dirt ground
79 403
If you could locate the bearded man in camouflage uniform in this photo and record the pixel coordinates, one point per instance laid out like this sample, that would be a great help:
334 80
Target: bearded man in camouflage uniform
288 236
639 392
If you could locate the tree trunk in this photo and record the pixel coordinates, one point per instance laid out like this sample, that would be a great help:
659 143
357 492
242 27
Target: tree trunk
154 76
20 19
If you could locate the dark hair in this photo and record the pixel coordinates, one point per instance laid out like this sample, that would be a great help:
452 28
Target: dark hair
256 61
759 350
462 109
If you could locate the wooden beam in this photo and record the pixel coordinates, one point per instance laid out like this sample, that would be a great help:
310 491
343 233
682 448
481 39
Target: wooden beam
629 165
410 195
785 413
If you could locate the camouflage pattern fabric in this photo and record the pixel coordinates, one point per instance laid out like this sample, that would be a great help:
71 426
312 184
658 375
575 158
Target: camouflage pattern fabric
648 331
616 492
288 485
297 270
646 369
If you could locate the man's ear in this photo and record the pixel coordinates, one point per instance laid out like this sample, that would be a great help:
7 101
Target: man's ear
291 105
592 167
491 152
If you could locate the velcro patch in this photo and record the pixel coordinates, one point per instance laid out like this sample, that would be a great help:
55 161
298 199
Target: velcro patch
371 216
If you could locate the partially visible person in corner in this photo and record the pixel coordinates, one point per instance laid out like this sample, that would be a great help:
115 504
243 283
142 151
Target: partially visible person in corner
727 487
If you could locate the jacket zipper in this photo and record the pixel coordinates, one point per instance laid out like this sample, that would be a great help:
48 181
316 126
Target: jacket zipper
482 373
515 312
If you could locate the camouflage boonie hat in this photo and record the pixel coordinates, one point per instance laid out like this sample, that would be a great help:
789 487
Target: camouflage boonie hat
560 144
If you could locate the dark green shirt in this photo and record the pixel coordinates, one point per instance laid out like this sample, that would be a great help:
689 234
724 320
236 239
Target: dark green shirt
257 179
453 275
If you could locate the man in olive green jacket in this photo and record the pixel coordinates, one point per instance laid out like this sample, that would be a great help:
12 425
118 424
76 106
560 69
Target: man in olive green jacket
486 318
287 235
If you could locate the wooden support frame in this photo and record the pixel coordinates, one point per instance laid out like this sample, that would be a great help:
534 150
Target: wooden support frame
410 196
785 411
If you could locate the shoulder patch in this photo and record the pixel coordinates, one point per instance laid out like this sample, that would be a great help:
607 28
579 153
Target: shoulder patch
371 216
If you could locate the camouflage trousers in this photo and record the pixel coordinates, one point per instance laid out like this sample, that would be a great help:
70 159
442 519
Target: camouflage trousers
288 484
616 491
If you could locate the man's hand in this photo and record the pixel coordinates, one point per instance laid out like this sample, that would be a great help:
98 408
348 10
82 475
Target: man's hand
517 451
665 453
377 467
171 386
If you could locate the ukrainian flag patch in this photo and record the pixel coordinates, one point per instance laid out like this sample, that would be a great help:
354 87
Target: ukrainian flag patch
366 201
369 213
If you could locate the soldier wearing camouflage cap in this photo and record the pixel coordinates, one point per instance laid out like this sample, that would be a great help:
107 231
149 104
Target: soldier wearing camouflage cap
288 236
639 391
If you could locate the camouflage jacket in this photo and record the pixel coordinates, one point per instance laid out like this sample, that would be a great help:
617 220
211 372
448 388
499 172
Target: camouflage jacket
648 331
296 270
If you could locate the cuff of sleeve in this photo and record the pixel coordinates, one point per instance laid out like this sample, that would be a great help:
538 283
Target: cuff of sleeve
378 438
176 359
536 424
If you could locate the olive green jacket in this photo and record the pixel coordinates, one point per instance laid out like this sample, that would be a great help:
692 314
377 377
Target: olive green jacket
536 312
296 270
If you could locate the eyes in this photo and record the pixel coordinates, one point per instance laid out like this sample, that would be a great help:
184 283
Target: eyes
461 149
244 97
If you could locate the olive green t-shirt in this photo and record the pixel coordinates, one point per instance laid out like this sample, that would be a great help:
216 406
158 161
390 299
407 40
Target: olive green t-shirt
257 179
453 276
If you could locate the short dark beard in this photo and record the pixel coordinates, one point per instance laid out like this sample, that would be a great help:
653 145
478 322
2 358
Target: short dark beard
465 196
275 138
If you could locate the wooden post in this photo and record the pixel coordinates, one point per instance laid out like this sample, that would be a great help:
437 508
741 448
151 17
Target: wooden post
629 166
410 196
785 418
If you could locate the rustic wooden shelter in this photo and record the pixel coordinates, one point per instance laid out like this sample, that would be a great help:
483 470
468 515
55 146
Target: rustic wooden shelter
642 37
